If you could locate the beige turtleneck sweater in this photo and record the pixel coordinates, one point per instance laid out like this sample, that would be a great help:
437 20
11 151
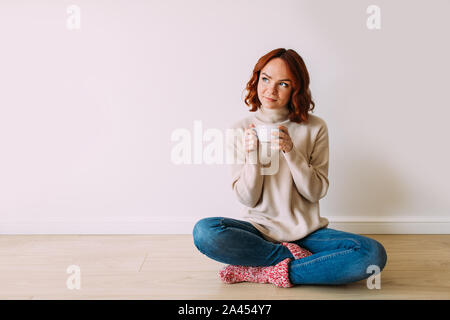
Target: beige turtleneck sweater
283 206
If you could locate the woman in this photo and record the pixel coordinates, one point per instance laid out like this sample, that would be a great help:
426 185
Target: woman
282 239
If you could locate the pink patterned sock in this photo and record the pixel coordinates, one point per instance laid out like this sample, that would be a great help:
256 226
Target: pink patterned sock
277 274
297 251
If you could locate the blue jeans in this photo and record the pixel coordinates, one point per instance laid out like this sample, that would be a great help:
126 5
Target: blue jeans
338 257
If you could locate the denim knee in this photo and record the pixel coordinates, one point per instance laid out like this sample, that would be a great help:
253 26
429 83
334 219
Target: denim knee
376 255
372 254
203 232
381 255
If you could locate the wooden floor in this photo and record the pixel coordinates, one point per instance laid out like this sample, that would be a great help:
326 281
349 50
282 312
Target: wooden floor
170 267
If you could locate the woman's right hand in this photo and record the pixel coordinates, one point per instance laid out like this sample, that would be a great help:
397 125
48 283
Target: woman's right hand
251 139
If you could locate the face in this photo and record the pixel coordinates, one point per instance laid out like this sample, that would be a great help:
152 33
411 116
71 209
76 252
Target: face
275 84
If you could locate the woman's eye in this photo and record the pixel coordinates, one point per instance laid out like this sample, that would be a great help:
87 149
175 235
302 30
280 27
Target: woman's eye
281 83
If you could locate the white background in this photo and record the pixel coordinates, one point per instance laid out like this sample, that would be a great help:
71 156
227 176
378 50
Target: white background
86 116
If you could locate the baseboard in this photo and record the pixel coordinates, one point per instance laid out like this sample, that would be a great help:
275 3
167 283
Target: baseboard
395 225
184 225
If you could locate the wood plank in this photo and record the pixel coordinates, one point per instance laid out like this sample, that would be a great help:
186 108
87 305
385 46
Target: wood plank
170 267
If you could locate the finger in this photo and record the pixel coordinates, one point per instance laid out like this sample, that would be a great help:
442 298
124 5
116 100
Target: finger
281 139
283 135
250 131
283 129
250 138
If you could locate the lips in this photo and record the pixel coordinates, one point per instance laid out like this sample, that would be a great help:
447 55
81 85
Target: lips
270 99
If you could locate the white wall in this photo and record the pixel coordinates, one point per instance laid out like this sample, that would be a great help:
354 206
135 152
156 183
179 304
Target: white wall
86 116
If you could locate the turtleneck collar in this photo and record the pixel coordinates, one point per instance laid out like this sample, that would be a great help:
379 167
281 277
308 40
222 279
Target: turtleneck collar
268 115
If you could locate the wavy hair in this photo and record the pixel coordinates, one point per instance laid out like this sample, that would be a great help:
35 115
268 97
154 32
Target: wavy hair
301 101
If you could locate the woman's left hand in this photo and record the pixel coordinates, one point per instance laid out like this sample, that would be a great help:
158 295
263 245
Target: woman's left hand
281 140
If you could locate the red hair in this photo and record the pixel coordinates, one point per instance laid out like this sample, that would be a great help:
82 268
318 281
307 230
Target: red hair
300 102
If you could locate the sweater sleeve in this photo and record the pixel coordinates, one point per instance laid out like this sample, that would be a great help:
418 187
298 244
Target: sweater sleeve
246 180
311 177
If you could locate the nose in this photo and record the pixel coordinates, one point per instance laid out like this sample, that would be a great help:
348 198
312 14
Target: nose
271 89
